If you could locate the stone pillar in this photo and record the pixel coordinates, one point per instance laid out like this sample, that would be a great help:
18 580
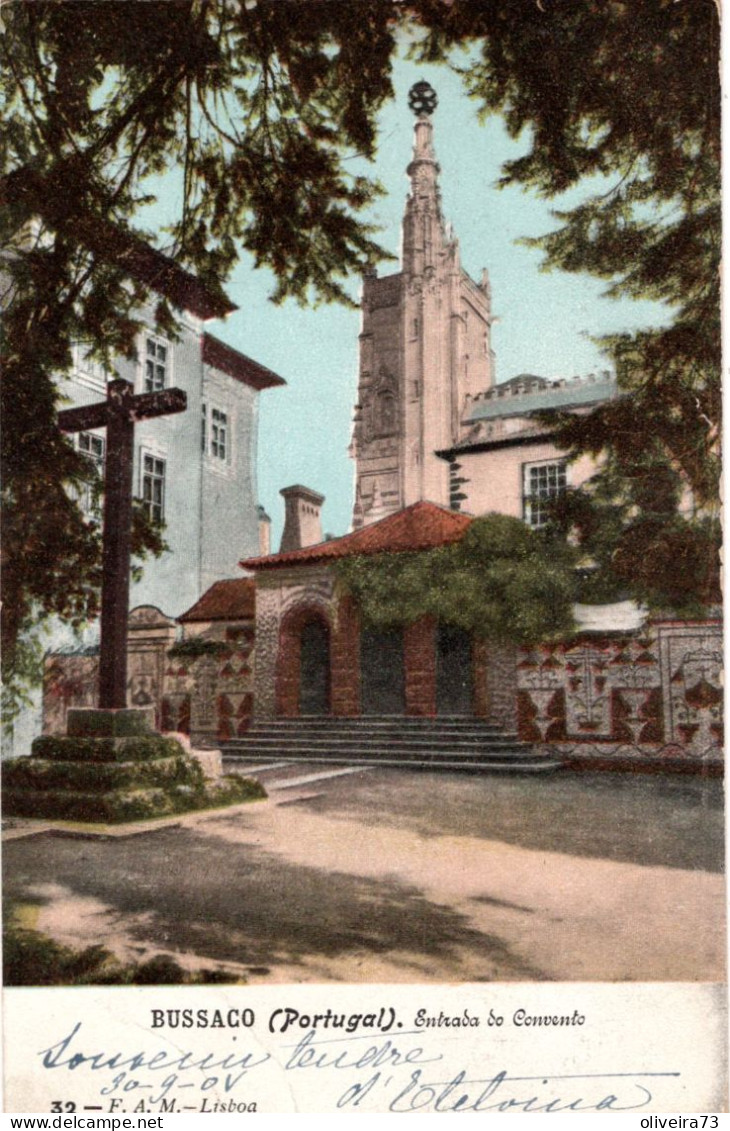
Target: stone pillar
288 669
345 660
419 658
266 649
480 677
502 685
150 634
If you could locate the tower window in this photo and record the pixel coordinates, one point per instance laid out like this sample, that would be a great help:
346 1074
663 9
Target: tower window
385 415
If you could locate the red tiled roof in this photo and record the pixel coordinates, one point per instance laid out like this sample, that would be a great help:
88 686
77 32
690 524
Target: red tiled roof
225 600
235 364
421 526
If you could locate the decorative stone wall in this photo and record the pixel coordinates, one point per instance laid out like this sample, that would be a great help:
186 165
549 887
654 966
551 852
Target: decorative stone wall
655 695
175 707
209 697
151 633
70 679
282 600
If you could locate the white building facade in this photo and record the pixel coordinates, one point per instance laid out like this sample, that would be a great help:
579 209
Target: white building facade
195 470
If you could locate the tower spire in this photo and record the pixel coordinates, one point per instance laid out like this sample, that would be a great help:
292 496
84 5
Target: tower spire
424 347
423 224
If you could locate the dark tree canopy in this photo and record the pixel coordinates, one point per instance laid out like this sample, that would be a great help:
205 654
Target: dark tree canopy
258 105
622 97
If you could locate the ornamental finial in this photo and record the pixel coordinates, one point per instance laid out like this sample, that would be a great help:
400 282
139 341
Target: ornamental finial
422 98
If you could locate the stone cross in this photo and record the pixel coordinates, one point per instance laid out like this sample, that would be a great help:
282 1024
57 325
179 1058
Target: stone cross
118 415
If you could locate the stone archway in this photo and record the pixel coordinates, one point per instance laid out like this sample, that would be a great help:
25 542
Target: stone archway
303 682
314 659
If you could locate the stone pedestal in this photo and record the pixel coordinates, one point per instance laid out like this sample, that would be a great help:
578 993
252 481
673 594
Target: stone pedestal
111 766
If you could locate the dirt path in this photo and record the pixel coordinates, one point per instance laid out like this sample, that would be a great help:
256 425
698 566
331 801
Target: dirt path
287 893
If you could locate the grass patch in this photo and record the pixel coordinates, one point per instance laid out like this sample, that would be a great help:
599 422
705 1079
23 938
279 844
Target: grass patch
183 790
31 958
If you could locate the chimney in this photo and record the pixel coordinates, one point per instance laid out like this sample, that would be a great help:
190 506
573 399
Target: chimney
264 531
303 518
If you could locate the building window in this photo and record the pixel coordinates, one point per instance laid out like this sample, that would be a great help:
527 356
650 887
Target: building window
218 434
89 370
156 365
542 482
214 436
153 486
94 448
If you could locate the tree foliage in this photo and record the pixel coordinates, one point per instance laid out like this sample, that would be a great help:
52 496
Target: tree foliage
502 582
623 98
258 106
635 540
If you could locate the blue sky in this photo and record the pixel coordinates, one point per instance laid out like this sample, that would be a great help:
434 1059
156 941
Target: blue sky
545 320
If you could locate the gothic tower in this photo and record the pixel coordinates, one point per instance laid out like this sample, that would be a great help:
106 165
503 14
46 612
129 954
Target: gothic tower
424 346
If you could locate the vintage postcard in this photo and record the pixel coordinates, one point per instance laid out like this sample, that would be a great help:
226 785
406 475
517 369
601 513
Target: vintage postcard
362 649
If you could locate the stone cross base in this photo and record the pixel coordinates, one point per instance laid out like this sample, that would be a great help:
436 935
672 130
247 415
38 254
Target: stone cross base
111 767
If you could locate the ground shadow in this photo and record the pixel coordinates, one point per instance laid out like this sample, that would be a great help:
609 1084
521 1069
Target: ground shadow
245 905
646 819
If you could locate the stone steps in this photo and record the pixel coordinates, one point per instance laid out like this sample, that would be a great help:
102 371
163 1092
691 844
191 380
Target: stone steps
438 743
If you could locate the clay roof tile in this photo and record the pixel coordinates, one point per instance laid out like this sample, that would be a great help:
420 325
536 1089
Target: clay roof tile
422 526
233 599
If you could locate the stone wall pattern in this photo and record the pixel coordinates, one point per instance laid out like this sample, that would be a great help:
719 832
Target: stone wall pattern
658 692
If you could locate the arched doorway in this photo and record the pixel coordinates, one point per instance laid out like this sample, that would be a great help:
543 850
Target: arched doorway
314 659
382 672
454 680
